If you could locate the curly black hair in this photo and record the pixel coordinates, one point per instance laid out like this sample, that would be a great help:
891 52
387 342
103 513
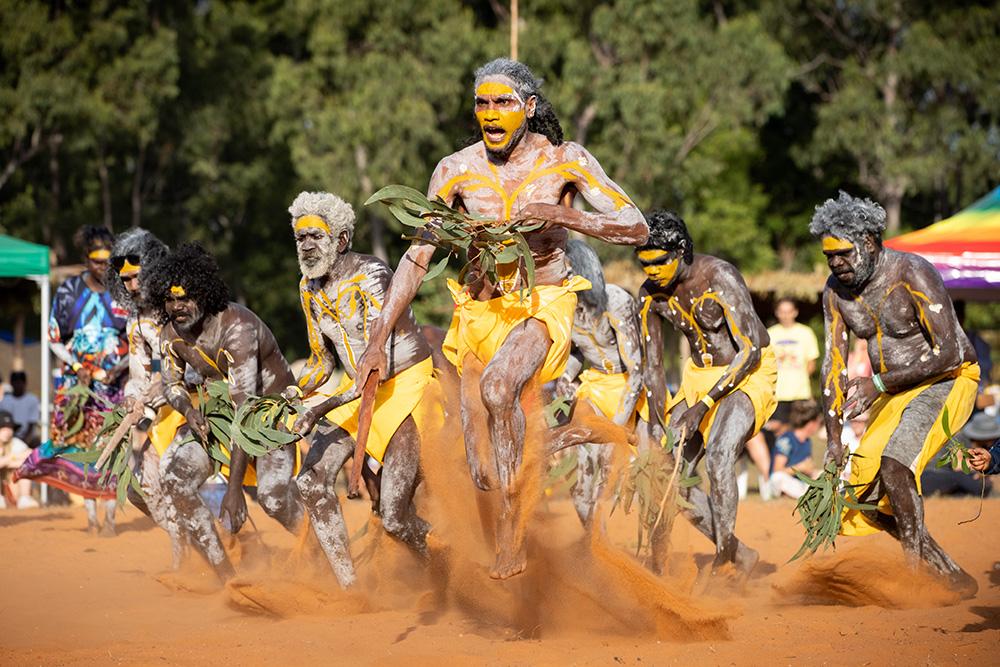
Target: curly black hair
139 242
667 231
545 121
91 237
192 267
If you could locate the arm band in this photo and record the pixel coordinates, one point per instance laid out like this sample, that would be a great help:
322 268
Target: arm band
877 381
708 401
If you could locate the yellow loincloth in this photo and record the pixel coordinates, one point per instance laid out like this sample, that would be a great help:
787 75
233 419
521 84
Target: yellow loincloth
481 327
606 391
883 418
395 400
759 387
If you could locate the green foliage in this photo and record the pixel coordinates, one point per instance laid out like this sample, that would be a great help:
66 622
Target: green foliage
203 120
651 482
822 507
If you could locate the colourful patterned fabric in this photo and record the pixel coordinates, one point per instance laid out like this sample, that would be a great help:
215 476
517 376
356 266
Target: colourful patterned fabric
46 465
92 327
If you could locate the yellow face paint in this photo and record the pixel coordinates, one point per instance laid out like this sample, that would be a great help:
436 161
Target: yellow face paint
833 244
128 267
509 119
99 254
662 274
651 255
177 291
311 222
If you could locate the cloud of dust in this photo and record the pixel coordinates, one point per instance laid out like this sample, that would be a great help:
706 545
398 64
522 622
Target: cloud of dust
575 582
864 574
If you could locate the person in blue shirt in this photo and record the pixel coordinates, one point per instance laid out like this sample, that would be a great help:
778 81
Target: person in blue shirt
793 450
983 432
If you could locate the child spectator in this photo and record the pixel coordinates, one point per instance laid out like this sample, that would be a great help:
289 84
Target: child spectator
793 450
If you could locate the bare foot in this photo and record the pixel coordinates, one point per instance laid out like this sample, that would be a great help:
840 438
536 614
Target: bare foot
108 530
964 584
508 563
746 561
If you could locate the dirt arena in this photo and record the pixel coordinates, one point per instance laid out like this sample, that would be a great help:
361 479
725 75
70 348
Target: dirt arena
70 598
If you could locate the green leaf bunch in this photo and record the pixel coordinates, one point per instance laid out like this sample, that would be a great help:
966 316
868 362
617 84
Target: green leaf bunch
650 483
821 507
482 242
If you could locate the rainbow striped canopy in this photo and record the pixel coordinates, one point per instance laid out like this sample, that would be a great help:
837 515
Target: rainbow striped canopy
965 248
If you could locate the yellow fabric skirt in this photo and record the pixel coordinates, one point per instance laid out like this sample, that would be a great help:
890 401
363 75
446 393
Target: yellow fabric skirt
168 422
883 419
606 391
758 385
395 400
481 327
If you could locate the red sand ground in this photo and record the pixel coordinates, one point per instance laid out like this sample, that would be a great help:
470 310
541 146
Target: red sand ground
69 598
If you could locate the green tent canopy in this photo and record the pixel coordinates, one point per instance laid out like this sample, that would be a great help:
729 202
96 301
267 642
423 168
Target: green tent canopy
20 259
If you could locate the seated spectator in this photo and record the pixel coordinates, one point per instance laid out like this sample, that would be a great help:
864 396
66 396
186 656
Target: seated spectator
793 450
983 433
13 452
949 481
851 437
23 407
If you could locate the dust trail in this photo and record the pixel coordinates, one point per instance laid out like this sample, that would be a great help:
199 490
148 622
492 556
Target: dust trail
576 581
866 574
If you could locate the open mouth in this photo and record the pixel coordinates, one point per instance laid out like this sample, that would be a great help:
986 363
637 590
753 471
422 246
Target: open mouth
494 134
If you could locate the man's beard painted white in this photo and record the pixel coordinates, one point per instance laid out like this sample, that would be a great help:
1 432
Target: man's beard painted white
318 262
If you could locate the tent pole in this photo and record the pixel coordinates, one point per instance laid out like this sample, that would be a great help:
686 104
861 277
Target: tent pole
46 379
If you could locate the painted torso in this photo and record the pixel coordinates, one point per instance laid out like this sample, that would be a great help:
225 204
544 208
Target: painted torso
235 345
701 308
608 340
342 309
536 172
892 316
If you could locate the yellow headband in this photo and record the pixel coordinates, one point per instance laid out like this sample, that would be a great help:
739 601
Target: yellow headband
128 267
177 291
309 221
651 255
100 253
832 244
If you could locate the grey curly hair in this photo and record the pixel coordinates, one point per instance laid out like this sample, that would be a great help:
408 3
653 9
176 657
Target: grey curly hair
848 217
150 249
336 212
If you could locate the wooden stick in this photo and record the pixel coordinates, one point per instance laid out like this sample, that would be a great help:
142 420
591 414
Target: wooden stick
365 413
128 422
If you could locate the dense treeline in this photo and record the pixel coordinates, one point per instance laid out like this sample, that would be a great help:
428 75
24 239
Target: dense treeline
203 120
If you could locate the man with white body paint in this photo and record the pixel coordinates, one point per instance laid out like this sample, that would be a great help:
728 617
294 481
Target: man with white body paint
605 336
342 293
924 367
219 340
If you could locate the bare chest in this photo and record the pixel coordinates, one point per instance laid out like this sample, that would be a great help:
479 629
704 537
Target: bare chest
895 312
499 192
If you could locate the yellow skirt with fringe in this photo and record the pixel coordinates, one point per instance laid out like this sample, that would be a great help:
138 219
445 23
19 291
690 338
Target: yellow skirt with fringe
758 385
883 419
481 327
606 391
396 399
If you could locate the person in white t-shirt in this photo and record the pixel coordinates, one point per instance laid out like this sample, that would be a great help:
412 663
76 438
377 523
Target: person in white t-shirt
23 407
13 452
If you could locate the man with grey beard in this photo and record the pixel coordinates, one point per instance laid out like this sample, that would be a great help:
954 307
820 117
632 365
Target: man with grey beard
342 293
926 373
219 340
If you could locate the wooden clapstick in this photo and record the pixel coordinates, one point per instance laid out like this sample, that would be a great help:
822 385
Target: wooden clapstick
365 413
